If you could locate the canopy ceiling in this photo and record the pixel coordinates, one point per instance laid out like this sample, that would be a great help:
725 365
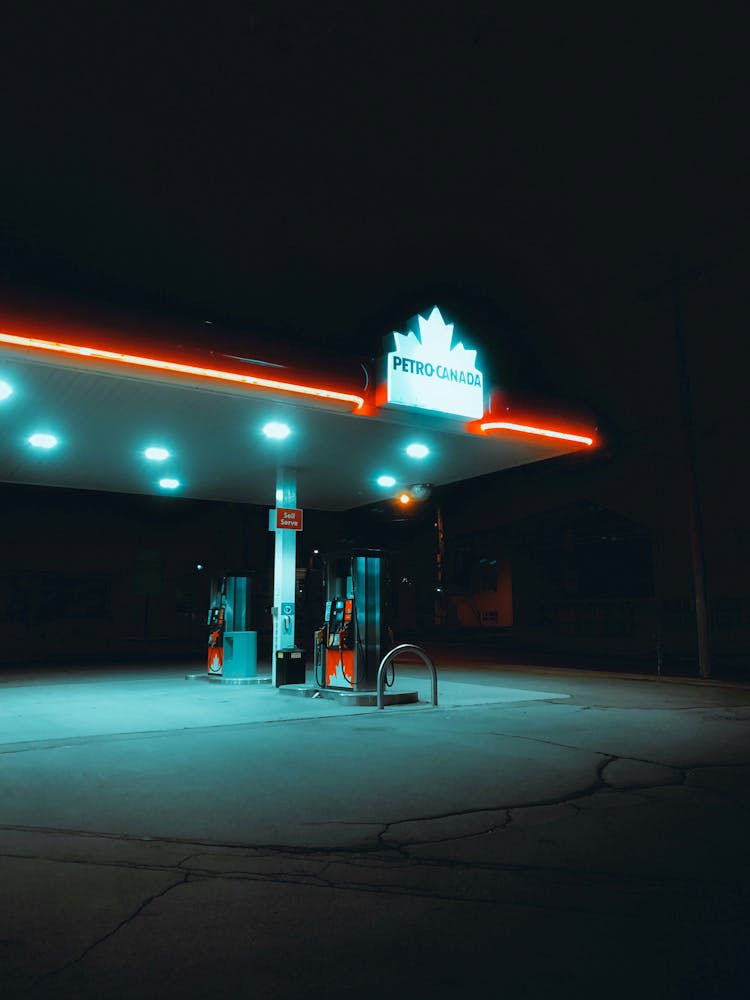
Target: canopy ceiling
106 403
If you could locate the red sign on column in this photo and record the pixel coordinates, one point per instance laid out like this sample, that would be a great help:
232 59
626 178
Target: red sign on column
289 517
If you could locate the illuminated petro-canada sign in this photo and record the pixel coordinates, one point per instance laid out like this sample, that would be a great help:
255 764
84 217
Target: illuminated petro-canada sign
425 371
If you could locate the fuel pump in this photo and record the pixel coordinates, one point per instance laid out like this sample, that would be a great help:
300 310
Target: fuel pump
354 635
340 653
216 621
229 611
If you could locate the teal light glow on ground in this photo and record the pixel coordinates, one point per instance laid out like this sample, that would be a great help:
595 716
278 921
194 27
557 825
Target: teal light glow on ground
540 833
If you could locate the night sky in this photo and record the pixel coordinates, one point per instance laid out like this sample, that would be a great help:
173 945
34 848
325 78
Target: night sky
320 169
317 174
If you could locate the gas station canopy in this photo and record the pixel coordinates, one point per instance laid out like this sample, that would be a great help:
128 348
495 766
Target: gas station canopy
86 406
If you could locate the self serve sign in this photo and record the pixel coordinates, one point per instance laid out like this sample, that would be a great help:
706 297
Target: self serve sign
289 517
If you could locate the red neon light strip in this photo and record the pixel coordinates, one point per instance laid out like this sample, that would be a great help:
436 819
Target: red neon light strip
176 366
544 432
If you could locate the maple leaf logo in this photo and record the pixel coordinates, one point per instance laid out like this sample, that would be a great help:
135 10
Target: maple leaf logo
434 340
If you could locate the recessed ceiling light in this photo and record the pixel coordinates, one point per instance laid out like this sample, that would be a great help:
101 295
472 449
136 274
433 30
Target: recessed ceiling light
169 484
156 454
43 440
417 450
276 431
5 390
386 481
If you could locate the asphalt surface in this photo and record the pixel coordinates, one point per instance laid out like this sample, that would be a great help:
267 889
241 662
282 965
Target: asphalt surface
539 832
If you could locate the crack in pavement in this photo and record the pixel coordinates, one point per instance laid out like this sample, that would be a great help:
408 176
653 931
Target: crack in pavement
105 937
600 753
404 848
603 764
682 770
594 786
132 735
593 878
380 841
680 775
370 862
538 739
132 838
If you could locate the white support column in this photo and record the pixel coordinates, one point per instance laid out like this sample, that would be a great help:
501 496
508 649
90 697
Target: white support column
284 569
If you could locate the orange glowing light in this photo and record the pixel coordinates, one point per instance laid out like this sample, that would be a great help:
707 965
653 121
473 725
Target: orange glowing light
405 498
215 374
503 425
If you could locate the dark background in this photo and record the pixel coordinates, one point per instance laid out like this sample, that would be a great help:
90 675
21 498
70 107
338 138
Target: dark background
569 186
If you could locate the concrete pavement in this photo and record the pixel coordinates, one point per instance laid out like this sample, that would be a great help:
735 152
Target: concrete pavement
540 831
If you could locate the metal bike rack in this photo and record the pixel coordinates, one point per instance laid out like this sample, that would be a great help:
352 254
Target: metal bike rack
405 647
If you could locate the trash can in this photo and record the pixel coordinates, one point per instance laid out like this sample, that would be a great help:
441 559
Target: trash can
290 666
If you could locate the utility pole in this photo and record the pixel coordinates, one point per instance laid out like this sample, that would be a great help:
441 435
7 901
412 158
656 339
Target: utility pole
695 526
